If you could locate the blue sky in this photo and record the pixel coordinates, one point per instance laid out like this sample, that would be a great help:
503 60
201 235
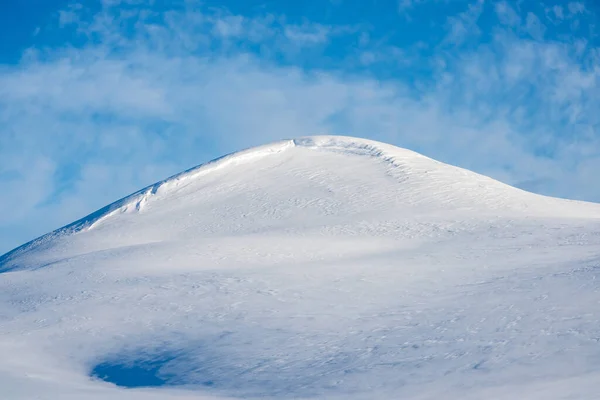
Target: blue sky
98 99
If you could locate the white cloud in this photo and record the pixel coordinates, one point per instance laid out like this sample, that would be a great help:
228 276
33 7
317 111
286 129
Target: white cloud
576 7
534 27
308 34
464 25
558 12
403 5
507 15
230 26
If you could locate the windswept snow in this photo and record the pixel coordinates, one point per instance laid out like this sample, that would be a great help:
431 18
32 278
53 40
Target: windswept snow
319 267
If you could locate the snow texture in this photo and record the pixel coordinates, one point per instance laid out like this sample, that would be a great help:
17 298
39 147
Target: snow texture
321 267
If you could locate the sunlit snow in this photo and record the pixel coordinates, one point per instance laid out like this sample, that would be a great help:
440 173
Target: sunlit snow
321 267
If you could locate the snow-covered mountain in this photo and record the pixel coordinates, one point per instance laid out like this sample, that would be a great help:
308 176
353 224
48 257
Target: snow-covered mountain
320 267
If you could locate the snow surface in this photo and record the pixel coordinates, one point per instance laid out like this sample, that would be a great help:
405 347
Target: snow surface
320 267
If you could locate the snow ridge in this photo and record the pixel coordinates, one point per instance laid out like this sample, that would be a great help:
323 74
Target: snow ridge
450 184
135 202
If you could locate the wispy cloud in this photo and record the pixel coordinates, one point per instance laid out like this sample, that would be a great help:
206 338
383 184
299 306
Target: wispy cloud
464 25
143 93
507 15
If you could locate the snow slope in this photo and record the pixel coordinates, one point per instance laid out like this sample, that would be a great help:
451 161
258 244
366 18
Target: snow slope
320 267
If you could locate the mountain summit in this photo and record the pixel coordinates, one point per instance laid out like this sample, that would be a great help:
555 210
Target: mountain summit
319 267
305 184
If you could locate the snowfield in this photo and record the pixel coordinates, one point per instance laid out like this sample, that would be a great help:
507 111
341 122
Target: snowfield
316 268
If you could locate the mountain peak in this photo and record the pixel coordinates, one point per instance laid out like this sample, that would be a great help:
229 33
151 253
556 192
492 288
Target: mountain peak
304 183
